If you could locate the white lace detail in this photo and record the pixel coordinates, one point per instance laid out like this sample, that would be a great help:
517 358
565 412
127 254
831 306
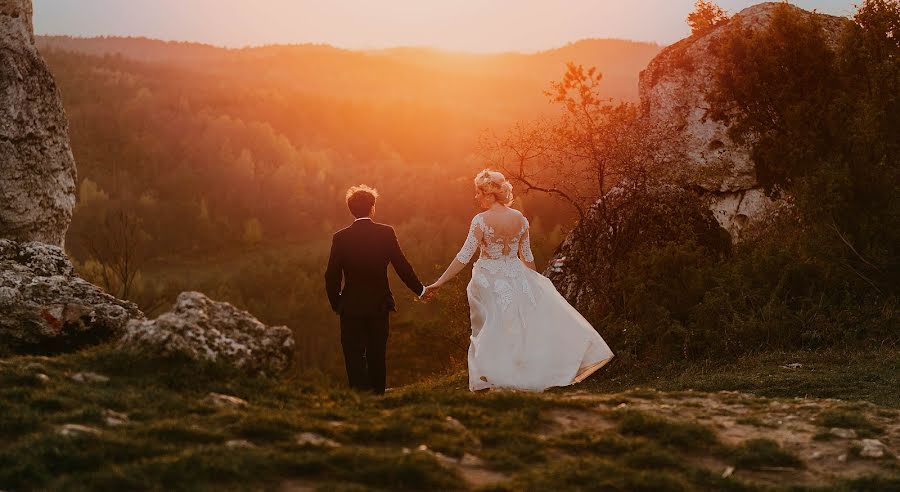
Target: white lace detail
504 292
494 246
525 244
498 267
508 274
471 245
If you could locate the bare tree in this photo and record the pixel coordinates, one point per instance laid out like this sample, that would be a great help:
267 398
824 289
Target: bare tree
117 246
581 154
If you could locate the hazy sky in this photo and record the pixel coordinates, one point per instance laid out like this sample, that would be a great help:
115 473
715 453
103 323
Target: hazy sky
469 25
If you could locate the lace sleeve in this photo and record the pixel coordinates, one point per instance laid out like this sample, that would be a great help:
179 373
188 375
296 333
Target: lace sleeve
473 240
525 244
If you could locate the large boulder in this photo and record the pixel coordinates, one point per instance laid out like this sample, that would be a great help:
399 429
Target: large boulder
45 308
674 89
199 328
37 169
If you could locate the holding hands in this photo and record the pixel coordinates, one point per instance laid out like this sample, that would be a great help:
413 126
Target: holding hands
429 292
455 267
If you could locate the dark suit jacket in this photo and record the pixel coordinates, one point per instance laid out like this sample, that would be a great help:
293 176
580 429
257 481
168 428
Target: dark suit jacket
360 255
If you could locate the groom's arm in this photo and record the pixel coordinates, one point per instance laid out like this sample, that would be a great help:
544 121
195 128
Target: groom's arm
403 268
333 276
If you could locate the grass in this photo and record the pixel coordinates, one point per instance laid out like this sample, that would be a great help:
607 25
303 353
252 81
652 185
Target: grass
752 420
582 442
682 435
848 419
853 374
593 475
176 439
763 453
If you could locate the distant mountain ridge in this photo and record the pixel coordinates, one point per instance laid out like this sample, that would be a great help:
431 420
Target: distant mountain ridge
619 60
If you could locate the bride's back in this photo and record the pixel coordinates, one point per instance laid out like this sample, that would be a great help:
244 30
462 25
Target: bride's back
506 222
503 231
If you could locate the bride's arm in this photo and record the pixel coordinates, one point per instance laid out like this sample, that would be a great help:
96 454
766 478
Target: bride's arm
525 253
464 256
455 267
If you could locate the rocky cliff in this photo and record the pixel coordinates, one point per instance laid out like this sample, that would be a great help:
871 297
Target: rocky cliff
37 169
674 89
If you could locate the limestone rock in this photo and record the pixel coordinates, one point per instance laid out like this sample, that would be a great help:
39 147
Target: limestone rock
202 329
37 169
114 419
239 444
871 448
842 433
72 430
90 377
471 460
220 400
311 439
674 89
44 307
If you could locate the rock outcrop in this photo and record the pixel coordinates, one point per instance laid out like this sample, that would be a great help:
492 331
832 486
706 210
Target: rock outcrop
674 89
199 328
37 169
45 308
589 263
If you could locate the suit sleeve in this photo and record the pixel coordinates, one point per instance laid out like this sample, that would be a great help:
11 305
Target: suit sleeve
402 267
333 276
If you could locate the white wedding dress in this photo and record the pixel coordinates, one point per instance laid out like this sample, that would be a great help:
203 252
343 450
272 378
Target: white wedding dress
525 335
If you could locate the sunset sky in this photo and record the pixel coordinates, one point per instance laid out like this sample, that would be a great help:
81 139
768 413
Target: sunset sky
461 25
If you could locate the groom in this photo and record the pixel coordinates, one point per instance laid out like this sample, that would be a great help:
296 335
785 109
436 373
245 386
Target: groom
360 255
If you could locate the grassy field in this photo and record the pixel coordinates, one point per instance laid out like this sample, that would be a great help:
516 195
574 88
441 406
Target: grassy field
101 420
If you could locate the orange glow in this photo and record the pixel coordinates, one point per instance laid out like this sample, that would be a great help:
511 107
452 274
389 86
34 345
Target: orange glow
466 25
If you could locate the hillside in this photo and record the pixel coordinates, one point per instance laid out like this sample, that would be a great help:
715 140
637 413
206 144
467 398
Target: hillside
101 420
399 72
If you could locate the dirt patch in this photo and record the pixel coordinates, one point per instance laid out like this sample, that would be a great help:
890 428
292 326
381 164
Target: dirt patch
795 424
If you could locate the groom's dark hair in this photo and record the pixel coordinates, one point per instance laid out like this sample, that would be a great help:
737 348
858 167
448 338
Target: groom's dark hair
360 200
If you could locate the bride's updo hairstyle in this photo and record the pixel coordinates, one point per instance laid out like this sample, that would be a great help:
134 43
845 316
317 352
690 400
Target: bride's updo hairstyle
493 183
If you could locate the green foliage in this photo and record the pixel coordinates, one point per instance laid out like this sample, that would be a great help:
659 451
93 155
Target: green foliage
706 15
822 115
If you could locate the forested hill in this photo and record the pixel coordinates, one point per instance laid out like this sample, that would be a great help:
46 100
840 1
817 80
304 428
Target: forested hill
403 72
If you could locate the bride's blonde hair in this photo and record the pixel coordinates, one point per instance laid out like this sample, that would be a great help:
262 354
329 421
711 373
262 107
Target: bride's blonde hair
489 182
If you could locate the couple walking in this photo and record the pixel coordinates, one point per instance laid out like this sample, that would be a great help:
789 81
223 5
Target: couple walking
525 335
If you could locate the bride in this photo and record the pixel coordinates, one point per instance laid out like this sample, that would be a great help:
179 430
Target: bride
524 334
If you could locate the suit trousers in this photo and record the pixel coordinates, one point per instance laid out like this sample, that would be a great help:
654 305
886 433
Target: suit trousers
364 340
